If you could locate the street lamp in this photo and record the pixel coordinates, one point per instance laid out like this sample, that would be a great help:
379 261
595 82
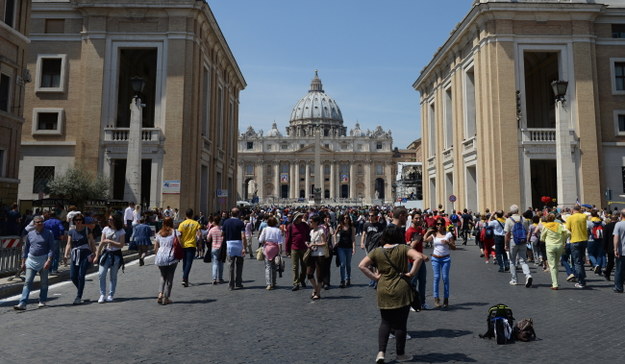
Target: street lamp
565 164
132 190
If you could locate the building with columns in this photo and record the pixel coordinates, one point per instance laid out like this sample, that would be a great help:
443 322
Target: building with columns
494 132
77 112
317 153
14 25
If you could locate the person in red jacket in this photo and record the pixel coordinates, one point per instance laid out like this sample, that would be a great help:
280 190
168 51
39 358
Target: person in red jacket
297 235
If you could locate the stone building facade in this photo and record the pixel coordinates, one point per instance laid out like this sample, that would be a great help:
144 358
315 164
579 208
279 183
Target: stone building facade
494 133
316 154
14 25
83 56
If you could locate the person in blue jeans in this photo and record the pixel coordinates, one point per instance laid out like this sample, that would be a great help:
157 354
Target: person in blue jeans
80 250
498 223
443 242
39 251
346 248
109 256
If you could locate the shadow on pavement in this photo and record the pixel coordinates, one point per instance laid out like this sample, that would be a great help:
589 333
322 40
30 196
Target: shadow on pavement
443 358
341 297
193 301
449 333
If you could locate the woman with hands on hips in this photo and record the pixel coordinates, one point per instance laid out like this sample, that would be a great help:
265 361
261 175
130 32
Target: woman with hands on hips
443 243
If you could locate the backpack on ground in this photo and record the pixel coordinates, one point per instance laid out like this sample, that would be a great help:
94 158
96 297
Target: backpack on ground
597 231
519 233
524 330
500 322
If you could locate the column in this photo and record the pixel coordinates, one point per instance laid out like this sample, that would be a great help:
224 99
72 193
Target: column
352 180
565 164
332 180
388 183
260 180
307 186
297 178
276 178
292 180
241 189
368 190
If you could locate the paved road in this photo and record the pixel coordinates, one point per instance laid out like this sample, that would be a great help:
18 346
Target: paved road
209 324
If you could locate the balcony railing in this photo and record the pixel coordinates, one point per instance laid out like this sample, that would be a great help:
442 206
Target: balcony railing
539 135
121 134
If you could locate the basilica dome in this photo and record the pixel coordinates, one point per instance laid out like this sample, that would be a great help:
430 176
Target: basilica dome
316 108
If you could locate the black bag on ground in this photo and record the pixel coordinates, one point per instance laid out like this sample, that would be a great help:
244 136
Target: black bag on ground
500 322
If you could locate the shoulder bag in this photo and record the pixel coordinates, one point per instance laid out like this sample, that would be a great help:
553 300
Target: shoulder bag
176 249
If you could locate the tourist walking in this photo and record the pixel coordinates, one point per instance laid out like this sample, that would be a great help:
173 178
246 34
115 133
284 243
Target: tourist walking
214 239
394 292
80 249
619 253
141 234
516 242
110 256
39 251
272 241
233 230
164 260
577 225
443 242
554 235
189 233
297 236
318 255
346 248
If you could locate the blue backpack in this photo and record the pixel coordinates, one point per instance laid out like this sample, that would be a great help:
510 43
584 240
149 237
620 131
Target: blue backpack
519 233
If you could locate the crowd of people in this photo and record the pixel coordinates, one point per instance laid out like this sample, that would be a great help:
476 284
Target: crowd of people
313 238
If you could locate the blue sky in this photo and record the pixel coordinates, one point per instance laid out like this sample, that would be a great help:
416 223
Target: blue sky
368 53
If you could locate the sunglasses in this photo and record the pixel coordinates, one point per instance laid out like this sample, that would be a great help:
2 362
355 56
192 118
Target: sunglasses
77 220
38 222
440 224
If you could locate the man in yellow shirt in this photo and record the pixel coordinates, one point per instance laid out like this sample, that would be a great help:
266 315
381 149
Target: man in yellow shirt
189 232
577 225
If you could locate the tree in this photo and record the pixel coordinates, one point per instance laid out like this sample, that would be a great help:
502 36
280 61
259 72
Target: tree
78 186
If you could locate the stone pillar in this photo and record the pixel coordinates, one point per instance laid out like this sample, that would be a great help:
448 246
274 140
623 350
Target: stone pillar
352 180
260 180
297 178
291 180
307 186
368 194
241 189
132 190
388 183
276 178
565 164
332 180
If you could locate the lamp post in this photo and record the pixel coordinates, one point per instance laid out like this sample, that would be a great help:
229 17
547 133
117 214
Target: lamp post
132 190
566 175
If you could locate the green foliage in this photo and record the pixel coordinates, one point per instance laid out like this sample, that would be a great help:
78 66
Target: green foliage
78 186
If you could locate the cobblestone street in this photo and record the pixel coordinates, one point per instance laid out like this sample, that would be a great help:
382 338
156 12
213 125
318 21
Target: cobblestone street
208 323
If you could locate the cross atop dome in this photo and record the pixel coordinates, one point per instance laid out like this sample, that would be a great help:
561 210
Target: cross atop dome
316 85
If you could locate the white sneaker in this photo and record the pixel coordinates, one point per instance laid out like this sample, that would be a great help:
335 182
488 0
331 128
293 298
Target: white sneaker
101 299
513 283
379 359
109 298
42 305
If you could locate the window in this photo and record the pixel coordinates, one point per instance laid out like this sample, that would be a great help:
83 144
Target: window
326 169
379 169
5 91
249 169
47 121
268 146
619 116
285 167
55 26
327 146
206 84
9 12
359 147
284 146
50 73
2 154
618 30
378 146
41 177
618 76
250 145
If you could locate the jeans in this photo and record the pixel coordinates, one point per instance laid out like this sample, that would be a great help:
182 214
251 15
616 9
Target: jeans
43 290
236 271
345 257
218 266
441 266
577 252
596 253
519 251
566 260
54 266
554 252
500 252
104 268
187 262
299 268
619 274
77 274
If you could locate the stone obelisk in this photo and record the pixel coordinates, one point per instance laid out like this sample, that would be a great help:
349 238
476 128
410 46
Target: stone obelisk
132 189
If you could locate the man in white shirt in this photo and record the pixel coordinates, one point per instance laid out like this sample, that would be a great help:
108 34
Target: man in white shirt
129 216
516 243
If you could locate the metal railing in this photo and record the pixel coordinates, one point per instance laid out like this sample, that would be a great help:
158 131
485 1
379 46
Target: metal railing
10 257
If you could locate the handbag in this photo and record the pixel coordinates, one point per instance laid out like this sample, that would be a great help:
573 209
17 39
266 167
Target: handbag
259 254
307 256
415 301
208 257
176 248
326 251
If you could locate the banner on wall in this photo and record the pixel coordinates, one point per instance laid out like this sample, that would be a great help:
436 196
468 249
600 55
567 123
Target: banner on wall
171 187
344 179
284 178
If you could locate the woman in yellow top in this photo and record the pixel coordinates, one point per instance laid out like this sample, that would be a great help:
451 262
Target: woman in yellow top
554 235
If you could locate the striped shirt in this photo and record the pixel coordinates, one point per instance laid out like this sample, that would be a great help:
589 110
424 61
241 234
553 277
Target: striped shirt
215 236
